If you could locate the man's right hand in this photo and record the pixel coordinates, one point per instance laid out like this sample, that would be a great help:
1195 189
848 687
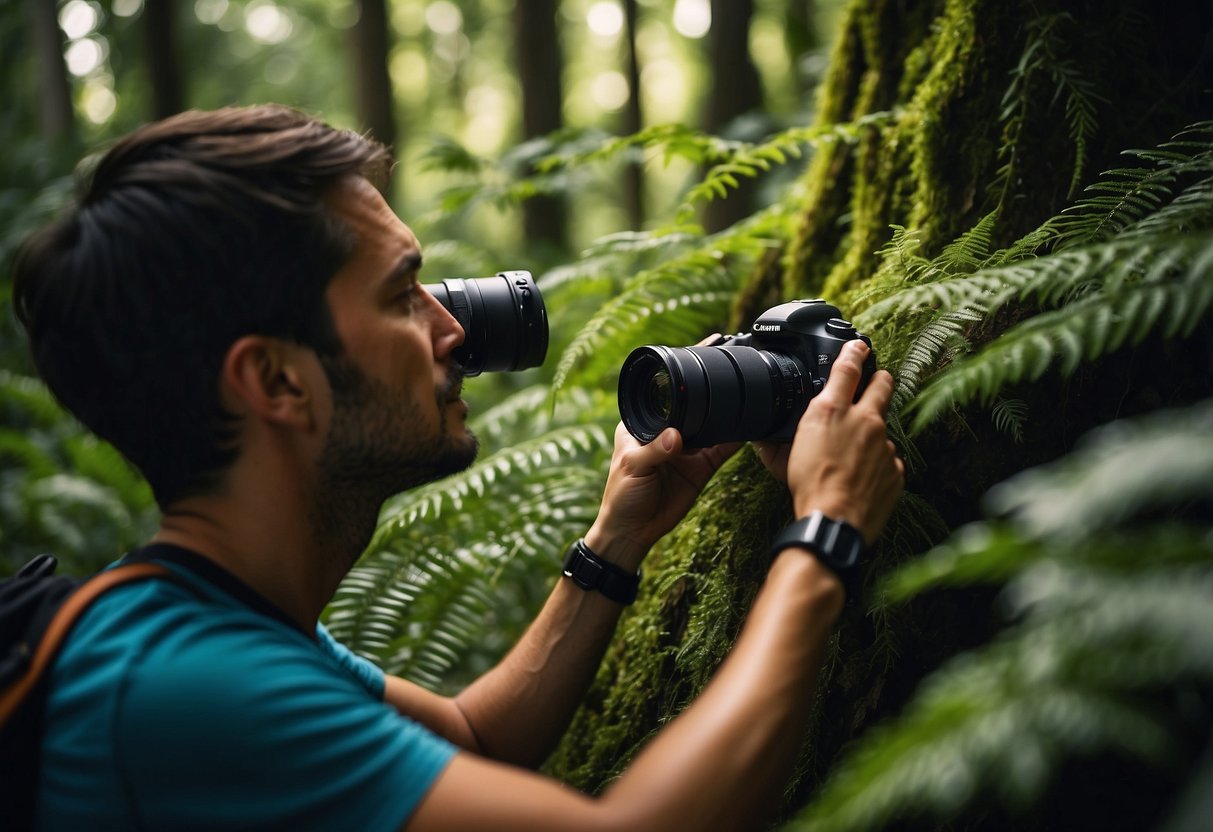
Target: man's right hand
841 461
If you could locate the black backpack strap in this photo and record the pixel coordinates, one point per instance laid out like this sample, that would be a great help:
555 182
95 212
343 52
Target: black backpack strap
23 697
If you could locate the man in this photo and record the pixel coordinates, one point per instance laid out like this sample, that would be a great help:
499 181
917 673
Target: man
235 307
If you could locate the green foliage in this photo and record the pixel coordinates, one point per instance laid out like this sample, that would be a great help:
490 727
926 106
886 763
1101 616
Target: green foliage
459 567
1107 557
1042 62
1132 260
62 491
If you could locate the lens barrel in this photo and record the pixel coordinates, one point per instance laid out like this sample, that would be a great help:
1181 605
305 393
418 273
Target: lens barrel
505 323
712 394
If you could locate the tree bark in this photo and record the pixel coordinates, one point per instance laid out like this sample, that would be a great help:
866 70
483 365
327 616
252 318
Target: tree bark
736 90
164 71
633 121
941 69
372 40
56 117
540 63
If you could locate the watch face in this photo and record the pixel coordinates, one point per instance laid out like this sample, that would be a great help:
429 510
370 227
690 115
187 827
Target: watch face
836 543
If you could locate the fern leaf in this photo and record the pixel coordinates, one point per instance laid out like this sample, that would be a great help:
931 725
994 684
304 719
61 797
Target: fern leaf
997 723
1009 416
1168 454
675 302
1093 326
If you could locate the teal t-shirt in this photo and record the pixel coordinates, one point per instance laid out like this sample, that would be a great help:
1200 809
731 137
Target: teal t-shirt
175 707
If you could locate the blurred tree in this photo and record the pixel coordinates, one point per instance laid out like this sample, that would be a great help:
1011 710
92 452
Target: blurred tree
633 120
372 45
539 59
165 70
56 116
735 91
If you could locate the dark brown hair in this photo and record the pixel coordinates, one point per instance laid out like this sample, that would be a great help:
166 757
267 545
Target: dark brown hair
189 233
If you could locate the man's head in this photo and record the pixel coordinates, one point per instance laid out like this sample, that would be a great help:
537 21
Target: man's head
190 233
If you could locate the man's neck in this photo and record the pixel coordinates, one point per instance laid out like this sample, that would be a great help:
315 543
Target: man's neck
280 557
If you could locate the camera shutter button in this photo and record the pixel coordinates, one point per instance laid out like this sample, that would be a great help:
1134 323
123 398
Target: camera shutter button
840 328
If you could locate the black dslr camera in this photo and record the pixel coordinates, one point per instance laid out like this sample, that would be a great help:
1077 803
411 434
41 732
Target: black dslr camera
505 324
752 386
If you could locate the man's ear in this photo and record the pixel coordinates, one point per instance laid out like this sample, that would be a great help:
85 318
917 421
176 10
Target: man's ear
265 377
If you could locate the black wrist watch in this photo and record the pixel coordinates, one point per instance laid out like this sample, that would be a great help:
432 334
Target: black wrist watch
590 572
835 543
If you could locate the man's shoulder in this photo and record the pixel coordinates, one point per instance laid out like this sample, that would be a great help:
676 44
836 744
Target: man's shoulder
166 641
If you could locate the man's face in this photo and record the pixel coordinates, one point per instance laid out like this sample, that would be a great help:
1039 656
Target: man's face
397 417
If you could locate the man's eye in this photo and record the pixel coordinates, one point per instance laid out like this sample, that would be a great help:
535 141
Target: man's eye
408 298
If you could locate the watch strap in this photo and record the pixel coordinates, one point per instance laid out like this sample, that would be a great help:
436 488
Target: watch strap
835 543
591 572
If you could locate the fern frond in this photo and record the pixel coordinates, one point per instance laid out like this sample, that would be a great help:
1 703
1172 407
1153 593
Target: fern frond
560 447
1123 197
1043 280
939 341
674 302
748 161
998 723
971 250
1123 313
993 553
1170 457
1075 509
900 255
528 413
1009 416
438 591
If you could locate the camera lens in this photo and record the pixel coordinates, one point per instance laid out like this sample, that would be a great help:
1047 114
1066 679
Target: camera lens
505 324
711 394
658 397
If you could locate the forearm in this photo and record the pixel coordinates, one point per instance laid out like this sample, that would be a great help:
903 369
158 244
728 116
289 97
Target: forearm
520 709
724 762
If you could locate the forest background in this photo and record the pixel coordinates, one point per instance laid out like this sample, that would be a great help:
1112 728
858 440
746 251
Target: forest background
1014 199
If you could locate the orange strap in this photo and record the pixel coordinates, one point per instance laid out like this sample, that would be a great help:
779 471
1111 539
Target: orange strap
61 625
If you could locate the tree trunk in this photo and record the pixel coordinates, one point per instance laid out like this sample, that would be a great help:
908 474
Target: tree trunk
633 121
163 61
941 69
540 66
372 39
736 90
55 115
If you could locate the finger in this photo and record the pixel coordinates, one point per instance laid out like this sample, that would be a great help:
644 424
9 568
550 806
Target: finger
845 375
879 392
711 340
641 459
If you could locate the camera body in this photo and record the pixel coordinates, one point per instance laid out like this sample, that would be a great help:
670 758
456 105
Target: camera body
744 387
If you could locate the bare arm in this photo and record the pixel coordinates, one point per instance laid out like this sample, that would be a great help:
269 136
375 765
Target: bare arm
720 765
519 710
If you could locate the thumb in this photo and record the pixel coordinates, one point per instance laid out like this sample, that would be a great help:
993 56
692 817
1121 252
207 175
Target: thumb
670 441
664 446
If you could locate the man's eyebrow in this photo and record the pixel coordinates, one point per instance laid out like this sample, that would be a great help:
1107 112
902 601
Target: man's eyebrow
405 267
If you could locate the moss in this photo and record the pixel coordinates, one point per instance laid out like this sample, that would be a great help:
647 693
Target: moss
698 583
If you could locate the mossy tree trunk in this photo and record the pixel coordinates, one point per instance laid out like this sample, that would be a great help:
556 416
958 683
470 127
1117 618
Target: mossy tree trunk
982 120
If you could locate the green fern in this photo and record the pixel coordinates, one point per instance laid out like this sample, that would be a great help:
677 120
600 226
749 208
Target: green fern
676 302
1172 298
748 161
450 577
1098 628
1049 38
1126 197
1009 416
